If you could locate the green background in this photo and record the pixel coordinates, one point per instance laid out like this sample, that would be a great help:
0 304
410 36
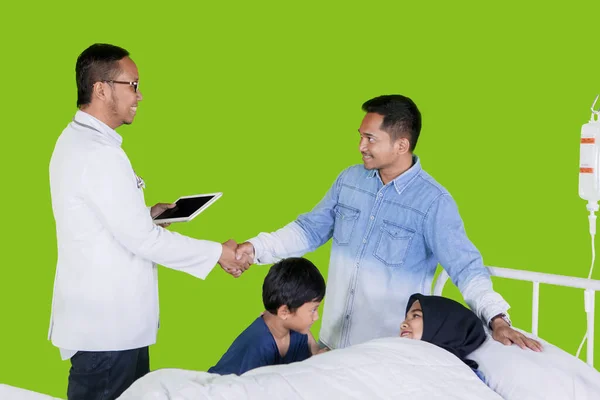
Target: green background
261 100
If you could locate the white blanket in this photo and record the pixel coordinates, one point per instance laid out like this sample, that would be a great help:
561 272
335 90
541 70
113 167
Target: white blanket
390 368
8 392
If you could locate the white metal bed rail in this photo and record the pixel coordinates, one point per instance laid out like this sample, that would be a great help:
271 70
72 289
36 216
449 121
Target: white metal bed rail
590 286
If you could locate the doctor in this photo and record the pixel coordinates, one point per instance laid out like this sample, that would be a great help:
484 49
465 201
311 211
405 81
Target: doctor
105 304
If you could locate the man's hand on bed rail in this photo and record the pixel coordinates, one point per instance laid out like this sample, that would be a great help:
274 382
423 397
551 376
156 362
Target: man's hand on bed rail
503 333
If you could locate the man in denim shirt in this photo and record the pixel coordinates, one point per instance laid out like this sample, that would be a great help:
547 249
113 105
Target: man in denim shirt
391 225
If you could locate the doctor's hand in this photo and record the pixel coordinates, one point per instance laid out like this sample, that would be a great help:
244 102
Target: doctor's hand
503 333
228 260
159 208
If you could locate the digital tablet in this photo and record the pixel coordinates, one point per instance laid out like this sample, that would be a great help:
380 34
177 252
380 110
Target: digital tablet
187 208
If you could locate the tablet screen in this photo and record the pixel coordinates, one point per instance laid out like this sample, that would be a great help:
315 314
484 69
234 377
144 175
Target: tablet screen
185 207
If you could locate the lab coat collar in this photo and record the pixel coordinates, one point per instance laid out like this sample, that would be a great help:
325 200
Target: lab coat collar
86 120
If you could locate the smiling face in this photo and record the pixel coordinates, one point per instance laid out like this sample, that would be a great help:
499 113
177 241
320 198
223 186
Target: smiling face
412 326
124 98
376 146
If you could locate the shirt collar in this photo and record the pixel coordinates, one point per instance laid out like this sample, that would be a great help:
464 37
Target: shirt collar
404 178
85 119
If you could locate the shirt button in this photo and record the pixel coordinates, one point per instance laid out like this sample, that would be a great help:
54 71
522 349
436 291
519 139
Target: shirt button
364 240
352 291
380 194
372 217
348 316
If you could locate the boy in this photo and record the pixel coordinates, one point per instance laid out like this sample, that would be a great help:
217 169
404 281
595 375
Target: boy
292 292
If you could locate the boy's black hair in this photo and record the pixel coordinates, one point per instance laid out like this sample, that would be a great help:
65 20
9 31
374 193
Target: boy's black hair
292 282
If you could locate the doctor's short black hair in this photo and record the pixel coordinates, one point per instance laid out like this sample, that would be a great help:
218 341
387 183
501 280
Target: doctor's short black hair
97 63
292 282
401 117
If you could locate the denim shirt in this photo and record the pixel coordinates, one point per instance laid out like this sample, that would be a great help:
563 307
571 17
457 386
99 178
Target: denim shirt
387 243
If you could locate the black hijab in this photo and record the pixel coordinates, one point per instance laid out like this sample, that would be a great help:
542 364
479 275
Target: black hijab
450 325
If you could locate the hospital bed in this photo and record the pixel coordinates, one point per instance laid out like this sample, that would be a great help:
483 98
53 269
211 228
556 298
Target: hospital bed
397 368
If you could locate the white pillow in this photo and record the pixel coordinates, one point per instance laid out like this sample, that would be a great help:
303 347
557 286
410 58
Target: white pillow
520 374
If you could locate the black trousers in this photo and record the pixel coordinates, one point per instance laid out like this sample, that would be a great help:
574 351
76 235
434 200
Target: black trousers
105 375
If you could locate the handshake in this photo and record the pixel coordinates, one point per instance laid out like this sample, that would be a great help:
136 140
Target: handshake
236 258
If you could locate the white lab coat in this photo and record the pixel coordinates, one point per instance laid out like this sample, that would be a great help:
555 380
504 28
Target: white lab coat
106 287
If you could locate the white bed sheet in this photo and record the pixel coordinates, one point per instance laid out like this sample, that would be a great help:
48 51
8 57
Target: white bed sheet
389 368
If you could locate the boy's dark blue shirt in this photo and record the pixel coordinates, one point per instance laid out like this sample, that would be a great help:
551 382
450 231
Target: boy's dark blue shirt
255 347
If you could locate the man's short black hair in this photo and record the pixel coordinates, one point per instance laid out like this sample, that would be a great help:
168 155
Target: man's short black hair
401 117
292 282
97 63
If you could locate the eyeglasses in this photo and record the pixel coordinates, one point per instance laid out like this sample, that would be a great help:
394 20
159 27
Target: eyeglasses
135 85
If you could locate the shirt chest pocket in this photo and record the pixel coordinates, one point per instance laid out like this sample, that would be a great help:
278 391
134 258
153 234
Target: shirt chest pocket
393 244
346 219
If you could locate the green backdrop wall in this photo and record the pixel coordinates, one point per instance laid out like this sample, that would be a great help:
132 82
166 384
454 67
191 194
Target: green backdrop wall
261 100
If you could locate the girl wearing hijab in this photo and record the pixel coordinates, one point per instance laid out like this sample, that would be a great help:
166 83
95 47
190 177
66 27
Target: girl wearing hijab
445 323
